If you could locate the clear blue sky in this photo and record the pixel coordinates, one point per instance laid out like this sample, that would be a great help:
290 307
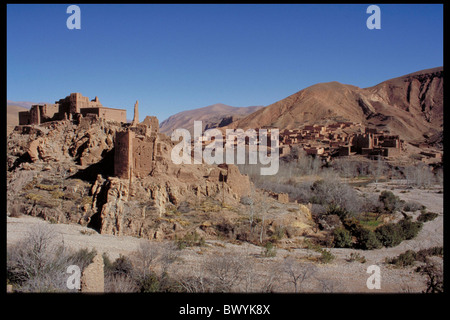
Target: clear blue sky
179 57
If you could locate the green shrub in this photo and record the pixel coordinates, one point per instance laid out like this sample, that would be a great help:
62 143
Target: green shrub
404 259
279 233
427 216
433 251
342 238
369 220
408 228
312 246
326 256
269 250
390 235
30 185
367 240
149 283
47 203
86 200
342 213
190 240
121 266
390 202
412 206
355 256
407 258
154 283
353 225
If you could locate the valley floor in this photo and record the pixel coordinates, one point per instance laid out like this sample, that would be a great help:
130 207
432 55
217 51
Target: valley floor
339 275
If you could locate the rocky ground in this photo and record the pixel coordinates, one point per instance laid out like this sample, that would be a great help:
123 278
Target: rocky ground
340 275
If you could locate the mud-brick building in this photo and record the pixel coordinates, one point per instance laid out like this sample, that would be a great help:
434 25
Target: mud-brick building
69 107
137 149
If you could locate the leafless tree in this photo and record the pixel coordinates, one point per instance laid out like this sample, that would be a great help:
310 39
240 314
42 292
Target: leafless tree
120 283
39 262
327 285
271 280
196 281
167 256
145 258
248 273
297 273
225 271
420 175
434 274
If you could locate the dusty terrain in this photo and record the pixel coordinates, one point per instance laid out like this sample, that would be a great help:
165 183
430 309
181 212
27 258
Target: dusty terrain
337 276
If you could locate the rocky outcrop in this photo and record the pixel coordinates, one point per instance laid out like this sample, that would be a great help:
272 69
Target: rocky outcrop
73 157
64 140
296 222
125 208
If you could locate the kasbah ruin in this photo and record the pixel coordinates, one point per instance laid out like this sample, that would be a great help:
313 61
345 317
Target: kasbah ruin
130 163
133 157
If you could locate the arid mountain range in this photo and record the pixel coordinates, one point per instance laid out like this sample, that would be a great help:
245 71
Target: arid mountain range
211 116
410 106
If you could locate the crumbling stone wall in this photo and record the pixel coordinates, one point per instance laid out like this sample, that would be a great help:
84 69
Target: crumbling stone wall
119 115
24 118
143 155
152 123
68 107
123 154
92 278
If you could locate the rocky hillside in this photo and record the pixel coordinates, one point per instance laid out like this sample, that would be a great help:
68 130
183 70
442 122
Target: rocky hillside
63 172
410 106
212 116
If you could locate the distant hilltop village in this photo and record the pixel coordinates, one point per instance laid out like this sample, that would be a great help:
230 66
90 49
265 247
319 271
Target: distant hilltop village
69 107
341 139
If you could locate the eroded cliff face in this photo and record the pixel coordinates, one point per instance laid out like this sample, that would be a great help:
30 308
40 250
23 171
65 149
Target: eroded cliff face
63 172
123 207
